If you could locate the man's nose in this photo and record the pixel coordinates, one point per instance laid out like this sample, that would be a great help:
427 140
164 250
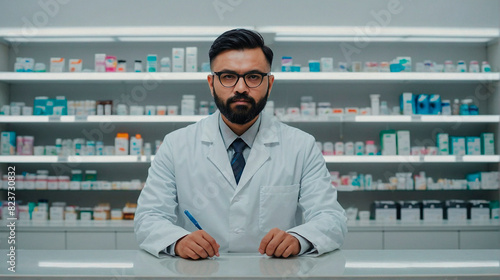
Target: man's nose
241 86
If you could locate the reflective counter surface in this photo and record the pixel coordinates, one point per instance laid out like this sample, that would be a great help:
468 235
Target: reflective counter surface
341 264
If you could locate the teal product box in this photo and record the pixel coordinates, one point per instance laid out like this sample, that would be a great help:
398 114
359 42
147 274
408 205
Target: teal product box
443 144
286 63
314 66
40 105
60 107
435 104
406 103
487 143
495 209
152 63
295 68
8 143
388 143
473 145
405 61
457 145
423 104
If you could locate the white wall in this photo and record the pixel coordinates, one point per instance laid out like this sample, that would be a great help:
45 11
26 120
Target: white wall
430 13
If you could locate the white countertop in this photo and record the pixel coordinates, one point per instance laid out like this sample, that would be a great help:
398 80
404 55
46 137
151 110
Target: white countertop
355 264
353 226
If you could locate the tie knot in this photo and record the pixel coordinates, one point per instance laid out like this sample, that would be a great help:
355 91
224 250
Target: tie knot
239 145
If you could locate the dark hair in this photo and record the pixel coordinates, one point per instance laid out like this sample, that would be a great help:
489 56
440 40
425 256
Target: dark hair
239 39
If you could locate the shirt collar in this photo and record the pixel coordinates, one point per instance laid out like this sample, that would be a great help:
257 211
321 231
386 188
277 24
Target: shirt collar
228 136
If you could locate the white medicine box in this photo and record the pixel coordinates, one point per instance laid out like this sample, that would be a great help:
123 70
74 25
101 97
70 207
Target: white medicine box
56 213
403 144
479 210
432 210
409 211
385 211
388 142
456 210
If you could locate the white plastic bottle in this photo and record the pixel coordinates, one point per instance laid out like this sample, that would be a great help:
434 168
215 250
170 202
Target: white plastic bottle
121 144
136 145
485 67
474 66
165 65
370 148
448 66
375 103
461 66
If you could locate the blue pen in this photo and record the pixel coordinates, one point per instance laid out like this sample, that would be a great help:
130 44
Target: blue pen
192 219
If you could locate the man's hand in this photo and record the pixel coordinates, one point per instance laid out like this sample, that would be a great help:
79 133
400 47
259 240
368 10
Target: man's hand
196 245
279 243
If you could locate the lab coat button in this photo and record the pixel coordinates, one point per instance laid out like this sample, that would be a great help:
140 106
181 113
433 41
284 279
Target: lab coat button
238 230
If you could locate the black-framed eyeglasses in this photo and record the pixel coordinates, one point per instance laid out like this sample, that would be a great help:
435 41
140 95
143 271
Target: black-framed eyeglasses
230 79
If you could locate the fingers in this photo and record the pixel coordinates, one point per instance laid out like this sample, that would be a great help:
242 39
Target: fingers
279 243
196 245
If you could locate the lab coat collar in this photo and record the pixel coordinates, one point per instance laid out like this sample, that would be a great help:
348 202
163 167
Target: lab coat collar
259 154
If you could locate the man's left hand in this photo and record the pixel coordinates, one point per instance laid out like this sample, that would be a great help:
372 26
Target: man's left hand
279 243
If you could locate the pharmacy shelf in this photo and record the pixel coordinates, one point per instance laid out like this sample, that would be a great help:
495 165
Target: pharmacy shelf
414 159
148 78
328 159
318 33
349 188
71 190
74 159
128 226
100 119
395 119
192 119
92 77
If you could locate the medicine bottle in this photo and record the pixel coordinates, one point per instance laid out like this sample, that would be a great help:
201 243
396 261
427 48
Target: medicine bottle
370 148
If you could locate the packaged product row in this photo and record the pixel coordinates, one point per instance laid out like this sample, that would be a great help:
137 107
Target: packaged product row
59 211
399 64
60 106
183 60
87 180
410 104
408 182
452 210
394 142
124 145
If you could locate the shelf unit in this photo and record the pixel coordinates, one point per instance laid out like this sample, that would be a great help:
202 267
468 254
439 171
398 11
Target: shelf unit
287 90
328 159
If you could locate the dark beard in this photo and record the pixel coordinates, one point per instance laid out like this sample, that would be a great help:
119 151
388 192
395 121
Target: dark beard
242 114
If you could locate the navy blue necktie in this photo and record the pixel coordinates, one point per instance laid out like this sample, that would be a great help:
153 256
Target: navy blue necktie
238 161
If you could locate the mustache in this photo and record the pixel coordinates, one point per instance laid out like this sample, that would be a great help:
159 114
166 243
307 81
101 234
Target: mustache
240 97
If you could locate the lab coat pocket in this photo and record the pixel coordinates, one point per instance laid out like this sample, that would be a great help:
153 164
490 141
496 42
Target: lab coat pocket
278 205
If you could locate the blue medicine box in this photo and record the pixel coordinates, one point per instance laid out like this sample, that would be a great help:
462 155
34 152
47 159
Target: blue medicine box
422 104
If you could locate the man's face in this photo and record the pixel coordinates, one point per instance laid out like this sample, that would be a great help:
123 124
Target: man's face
240 104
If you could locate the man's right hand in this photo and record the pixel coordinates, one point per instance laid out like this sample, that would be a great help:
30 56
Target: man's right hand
197 245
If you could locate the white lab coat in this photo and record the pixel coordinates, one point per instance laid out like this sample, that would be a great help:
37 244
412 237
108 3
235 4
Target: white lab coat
285 184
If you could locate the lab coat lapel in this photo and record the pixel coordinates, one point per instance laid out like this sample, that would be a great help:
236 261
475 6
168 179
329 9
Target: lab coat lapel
260 152
217 153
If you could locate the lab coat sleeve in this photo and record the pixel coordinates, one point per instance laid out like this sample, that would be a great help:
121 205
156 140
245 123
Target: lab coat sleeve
324 219
156 216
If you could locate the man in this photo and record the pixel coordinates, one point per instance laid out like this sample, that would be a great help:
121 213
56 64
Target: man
252 183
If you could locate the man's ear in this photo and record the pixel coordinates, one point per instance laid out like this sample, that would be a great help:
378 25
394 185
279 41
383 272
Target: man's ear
210 80
270 86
